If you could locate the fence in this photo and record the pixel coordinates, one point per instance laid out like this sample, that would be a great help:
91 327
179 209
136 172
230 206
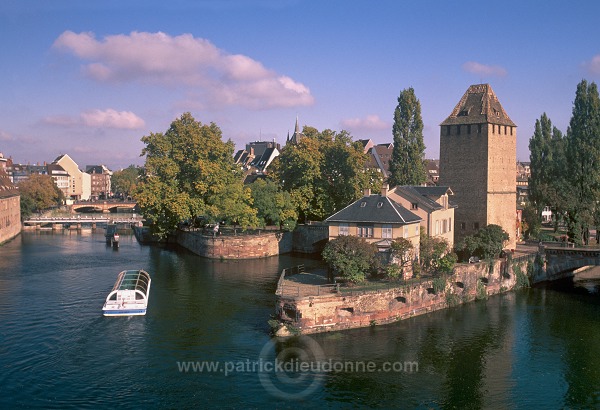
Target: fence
288 288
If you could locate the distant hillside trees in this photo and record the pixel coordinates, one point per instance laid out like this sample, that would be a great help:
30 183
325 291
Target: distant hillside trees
407 166
38 192
189 172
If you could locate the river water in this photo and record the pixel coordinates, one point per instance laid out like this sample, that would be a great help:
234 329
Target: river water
536 348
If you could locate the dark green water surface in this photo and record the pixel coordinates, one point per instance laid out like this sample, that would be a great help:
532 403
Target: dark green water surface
537 348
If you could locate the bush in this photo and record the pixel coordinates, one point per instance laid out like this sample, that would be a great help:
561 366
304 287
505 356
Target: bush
487 243
351 257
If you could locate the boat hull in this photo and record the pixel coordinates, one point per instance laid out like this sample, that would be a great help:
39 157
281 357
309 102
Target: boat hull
124 312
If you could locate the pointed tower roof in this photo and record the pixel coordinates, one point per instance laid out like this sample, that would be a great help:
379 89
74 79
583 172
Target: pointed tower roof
479 105
298 135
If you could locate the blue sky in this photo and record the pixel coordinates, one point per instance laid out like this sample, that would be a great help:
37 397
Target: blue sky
90 78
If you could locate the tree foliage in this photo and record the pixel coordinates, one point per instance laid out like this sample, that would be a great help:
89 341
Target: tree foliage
273 205
351 257
401 257
487 243
407 166
38 192
547 163
189 172
324 172
434 254
583 159
125 180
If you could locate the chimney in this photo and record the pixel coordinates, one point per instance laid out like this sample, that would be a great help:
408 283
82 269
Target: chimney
367 191
384 190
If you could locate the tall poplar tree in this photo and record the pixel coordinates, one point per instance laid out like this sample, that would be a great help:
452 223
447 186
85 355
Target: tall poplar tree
407 165
583 158
540 158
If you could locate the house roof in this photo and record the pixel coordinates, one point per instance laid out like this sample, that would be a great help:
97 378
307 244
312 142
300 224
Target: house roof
262 162
433 191
7 189
479 105
375 209
410 193
379 157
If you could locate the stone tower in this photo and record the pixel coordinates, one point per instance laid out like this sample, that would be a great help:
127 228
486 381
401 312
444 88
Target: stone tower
478 162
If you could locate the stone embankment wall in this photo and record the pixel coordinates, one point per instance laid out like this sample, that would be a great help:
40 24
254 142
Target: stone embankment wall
338 310
236 247
305 239
10 215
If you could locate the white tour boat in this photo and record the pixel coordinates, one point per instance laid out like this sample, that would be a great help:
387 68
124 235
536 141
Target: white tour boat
129 295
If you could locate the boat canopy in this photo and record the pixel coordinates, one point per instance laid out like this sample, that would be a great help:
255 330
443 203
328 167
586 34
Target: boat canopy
136 280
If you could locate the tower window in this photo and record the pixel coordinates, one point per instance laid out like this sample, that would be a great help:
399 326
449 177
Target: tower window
479 128
448 130
458 130
469 129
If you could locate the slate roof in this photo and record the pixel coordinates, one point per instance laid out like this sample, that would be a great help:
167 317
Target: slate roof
7 189
261 162
410 193
376 209
477 106
433 191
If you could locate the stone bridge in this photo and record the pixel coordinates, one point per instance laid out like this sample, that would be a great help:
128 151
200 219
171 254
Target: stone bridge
102 206
561 261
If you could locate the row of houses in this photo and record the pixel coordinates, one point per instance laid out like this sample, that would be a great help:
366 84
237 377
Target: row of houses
76 184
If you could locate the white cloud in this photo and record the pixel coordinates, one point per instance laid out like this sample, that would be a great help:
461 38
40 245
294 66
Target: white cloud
108 118
593 66
474 67
369 123
112 119
4 136
158 58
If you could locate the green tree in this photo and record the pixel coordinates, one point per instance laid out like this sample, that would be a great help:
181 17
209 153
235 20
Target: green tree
38 192
350 257
583 159
323 173
401 257
274 206
487 243
125 180
407 166
432 251
532 224
189 172
540 157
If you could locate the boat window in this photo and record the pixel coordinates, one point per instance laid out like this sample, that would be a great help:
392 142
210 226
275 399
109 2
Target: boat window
113 297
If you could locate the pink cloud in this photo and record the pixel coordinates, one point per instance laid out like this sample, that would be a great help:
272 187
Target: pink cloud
369 123
108 118
186 61
474 67
112 119
593 66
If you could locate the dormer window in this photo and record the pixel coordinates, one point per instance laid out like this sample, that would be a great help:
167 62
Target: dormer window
414 206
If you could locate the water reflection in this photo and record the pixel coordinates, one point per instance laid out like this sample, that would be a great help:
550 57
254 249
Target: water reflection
536 348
